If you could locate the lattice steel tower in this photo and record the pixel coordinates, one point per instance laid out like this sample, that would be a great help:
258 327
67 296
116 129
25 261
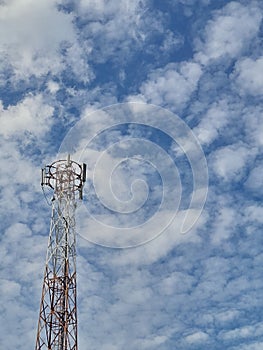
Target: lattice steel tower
57 325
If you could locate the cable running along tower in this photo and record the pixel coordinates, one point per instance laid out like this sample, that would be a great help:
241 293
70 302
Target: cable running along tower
57 324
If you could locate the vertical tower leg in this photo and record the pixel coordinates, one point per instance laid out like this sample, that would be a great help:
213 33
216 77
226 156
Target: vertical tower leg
57 326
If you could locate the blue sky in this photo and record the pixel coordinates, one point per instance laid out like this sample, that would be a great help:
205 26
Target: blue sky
61 62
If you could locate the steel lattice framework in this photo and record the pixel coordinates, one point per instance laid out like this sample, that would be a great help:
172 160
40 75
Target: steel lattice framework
57 325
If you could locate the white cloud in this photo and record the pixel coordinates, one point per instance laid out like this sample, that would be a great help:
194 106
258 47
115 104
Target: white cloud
10 289
257 345
230 162
31 35
227 316
254 213
248 76
244 332
76 59
198 337
53 87
172 284
172 85
171 41
154 250
154 341
255 180
213 122
253 122
21 258
229 32
31 115
106 9
223 227
112 25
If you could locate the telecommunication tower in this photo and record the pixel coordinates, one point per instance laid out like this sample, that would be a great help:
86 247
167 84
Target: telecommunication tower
57 324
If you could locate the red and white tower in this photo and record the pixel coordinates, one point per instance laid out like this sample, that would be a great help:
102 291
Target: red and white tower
57 325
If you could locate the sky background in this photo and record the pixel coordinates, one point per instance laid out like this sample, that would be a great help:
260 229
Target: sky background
199 59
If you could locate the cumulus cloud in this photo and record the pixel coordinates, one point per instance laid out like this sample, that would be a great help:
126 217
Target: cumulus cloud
230 162
213 122
198 337
229 33
253 122
256 345
21 257
244 332
31 115
248 76
52 86
172 85
112 25
32 35
223 225
254 213
254 182
227 316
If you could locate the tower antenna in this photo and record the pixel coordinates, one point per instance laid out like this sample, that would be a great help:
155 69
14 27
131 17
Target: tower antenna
57 324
